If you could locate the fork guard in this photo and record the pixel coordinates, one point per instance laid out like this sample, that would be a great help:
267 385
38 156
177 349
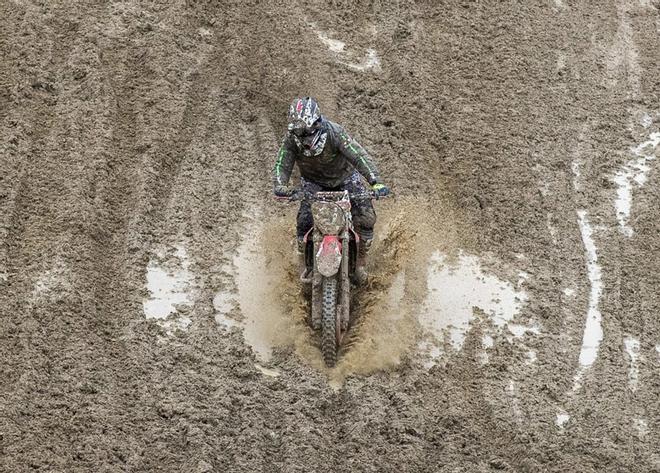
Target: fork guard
328 257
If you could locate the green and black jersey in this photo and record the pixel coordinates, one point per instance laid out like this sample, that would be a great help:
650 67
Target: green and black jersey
338 160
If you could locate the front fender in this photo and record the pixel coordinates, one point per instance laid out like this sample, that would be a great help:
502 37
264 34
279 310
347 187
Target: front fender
328 256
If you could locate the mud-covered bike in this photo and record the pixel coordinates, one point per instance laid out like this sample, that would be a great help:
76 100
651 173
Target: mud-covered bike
331 249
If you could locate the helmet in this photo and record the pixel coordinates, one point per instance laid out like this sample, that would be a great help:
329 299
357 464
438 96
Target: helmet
306 126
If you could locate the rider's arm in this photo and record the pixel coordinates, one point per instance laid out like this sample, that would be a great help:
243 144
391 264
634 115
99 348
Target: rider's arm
284 163
358 157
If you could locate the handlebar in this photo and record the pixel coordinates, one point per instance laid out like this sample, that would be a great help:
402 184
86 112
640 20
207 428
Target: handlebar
300 195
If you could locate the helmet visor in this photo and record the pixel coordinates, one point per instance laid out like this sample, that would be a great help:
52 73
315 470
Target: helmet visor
303 132
308 136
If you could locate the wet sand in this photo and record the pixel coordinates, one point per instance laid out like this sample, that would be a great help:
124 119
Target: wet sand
151 317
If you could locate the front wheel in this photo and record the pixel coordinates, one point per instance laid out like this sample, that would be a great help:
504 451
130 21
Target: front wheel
329 339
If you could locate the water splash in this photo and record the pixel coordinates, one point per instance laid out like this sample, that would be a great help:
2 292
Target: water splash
259 278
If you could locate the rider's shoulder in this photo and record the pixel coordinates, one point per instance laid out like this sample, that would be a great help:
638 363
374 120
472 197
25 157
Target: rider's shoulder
287 140
334 129
331 126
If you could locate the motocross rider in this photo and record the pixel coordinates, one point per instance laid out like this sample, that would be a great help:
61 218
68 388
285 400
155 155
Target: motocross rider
328 160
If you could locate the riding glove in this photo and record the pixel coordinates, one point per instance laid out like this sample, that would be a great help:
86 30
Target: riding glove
283 191
381 190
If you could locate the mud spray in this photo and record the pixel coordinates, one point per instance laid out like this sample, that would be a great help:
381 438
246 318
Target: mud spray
273 309
391 314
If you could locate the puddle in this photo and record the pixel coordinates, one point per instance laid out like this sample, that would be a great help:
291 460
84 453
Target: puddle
266 371
168 283
632 349
515 402
370 62
454 290
633 174
551 228
646 120
204 32
433 353
575 167
531 357
52 282
519 330
642 427
333 45
562 418
224 303
561 62
486 342
593 332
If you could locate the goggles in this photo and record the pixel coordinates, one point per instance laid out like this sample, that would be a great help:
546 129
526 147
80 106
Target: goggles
303 131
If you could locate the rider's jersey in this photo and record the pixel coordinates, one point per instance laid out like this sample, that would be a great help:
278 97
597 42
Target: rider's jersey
338 160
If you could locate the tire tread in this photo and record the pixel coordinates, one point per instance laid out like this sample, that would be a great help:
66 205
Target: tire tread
328 321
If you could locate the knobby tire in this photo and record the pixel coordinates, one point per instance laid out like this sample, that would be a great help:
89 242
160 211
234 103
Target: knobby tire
329 321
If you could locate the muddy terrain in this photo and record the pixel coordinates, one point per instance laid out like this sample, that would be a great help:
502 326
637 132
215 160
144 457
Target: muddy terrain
151 317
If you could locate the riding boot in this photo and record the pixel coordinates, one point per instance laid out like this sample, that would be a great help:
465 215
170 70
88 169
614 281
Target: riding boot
303 270
361 274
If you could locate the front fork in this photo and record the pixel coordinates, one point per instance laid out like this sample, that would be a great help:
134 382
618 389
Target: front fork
343 302
344 309
317 280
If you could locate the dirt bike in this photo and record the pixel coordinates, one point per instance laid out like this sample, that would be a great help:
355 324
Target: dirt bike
331 248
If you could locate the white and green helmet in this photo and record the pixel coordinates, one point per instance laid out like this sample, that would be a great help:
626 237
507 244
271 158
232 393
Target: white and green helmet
306 126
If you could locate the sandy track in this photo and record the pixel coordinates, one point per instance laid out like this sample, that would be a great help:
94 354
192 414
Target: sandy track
135 136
